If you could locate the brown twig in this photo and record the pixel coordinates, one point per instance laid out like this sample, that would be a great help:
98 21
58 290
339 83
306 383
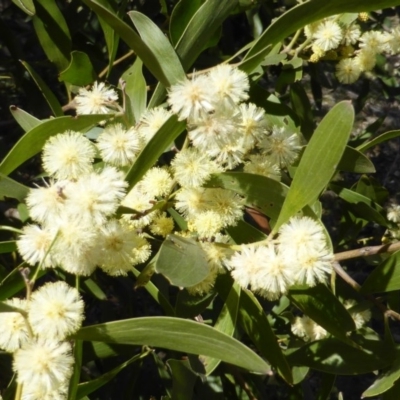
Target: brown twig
367 251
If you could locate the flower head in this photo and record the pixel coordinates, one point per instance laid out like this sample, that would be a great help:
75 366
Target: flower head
151 121
348 70
56 311
97 100
68 155
117 145
328 35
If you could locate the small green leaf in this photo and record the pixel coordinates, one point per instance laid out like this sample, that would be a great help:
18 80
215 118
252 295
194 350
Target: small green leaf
47 93
226 323
336 357
355 161
135 88
380 139
171 129
182 261
385 277
12 189
317 166
53 33
33 141
160 47
26 6
92 287
183 379
80 71
255 323
26 121
322 306
175 334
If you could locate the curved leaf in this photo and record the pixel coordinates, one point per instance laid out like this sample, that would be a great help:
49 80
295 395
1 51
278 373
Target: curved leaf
322 306
385 380
12 189
318 165
181 16
33 141
26 6
80 71
182 261
25 120
336 357
183 379
385 277
171 129
176 334
355 161
160 47
380 139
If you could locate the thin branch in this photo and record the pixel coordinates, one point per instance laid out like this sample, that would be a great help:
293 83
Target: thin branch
367 251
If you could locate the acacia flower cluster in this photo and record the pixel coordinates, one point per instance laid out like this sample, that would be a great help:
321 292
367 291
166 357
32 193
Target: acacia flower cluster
76 228
340 37
301 255
36 333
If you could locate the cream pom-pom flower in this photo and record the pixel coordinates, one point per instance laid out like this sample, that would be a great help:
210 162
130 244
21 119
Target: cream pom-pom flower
97 100
328 35
151 121
118 146
348 70
68 155
56 311
43 365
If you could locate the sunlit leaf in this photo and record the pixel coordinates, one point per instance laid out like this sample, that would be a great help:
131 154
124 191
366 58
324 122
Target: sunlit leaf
12 189
25 120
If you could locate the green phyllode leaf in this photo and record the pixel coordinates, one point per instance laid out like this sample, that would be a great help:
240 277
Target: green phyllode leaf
175 334
25 120
319 161
182 261
80 71
385 277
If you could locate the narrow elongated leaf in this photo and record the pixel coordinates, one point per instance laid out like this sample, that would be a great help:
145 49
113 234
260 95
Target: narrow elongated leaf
182 261
171 129
380 139
327 384
336 357
361 205
132 39
12 189
33 141
86 388
80 71
159 45
255 323
310 11
181 16
385 277
176 334
318 165
226 323
183 379
53 33
135 89
385 380
302 107
47 93
322 306
26 121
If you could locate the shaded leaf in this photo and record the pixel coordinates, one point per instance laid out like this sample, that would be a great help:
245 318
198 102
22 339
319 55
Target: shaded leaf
380 139
47 93
327 384
322 306
163 332
354 161
317 165
8 247
12 189
53 33
33 141
243 232
385 277
183 379
336 357
180 18
189 306
26 6
80 71
182 261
